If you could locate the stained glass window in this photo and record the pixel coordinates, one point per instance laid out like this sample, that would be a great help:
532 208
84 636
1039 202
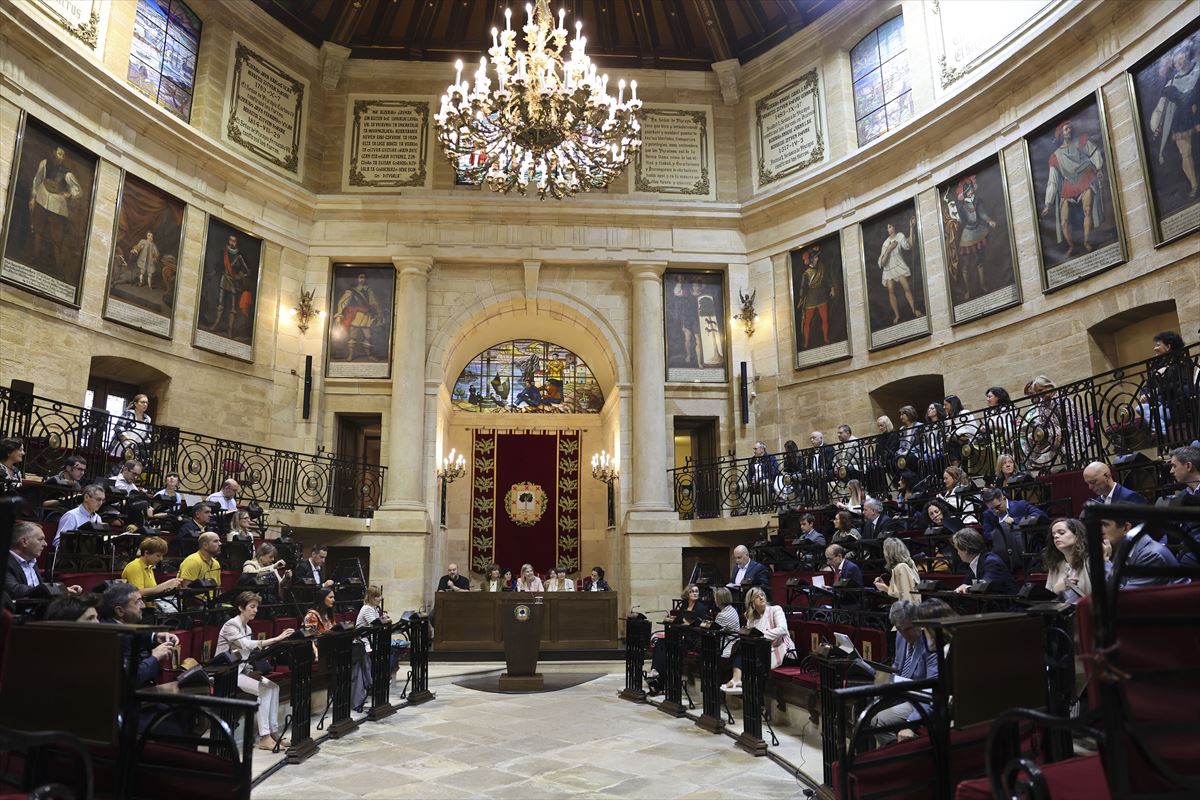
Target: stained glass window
527 376
162 58
882 88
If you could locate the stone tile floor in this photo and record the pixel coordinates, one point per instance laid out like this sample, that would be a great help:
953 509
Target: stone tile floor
578 742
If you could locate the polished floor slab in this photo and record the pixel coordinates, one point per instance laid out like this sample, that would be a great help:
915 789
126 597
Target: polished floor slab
578 742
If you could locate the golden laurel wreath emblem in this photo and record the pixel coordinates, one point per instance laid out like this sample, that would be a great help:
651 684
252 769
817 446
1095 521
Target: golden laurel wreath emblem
521 613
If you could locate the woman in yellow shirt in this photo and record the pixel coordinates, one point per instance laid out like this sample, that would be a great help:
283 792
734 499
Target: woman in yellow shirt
140 571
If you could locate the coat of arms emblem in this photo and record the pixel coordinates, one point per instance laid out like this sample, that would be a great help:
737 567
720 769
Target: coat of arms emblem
525 503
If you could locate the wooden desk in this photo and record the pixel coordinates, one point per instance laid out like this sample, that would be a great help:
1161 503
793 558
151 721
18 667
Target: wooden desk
570 621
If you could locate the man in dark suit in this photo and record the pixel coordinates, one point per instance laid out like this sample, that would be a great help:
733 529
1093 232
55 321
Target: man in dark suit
21 574
310 570
845 571
1142 552
818 469
198 522
747 569
1003 525
877 525
1099 479
982 565
762 471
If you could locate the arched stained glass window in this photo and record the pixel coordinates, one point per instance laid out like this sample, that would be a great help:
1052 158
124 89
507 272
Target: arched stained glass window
527 376
882 86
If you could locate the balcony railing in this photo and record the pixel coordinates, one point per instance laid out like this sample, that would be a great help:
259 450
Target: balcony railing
278 479
1150 406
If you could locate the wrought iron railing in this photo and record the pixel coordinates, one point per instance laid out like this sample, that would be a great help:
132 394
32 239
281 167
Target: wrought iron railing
1153 406
272 478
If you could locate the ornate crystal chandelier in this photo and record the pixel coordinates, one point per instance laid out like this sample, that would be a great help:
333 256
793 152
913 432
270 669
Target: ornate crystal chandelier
548 122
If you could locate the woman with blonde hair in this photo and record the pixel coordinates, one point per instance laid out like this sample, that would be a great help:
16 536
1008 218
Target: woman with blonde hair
528 582
772 622
903 578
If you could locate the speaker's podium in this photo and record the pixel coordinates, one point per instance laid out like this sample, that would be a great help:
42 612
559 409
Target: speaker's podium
521 629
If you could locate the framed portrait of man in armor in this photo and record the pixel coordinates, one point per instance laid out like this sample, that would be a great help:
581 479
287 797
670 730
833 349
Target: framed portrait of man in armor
1166 95
695 319
1069 164
820 326
362 298
228 298
977 242
49 216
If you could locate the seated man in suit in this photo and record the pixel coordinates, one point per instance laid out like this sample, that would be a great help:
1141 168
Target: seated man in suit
746 569
1002 524
914 660
308 571
1099 479
198 524
845 572
810 541
1185 469
877 525
982 564
1143 551
127 479
21 575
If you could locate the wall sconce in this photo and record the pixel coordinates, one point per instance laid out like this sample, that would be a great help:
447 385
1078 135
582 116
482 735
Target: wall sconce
304 313
604 469
453 467
747 316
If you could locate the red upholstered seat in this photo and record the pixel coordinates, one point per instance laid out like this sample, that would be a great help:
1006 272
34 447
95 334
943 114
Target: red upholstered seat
808 634
797 675
905 770
1080 778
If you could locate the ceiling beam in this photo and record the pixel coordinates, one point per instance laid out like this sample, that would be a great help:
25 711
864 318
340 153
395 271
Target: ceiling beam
426 14
344 23
717 40
641 31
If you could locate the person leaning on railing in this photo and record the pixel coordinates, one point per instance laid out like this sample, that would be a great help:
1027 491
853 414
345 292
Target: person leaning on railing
131 431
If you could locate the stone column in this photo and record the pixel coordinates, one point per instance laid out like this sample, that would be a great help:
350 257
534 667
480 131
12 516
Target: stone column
405 481
649 446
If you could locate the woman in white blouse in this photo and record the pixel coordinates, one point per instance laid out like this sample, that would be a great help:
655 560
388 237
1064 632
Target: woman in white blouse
237 638
559 582
528 582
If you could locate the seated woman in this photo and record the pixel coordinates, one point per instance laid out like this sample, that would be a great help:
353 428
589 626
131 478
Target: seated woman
240 529
319 618
596 582
237 639
140 572
266 571
559 582
507 584
528 582
492 581
773 623
857 497
902 572
940 558
957 485
692 612
843 529
1066 561
12 453
908 496
1006 472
